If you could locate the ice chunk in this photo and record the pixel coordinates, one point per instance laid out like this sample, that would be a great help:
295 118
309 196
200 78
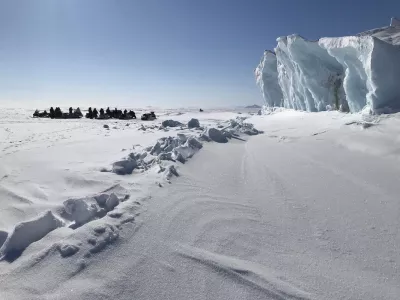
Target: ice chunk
80 210
395 22
3 237
124 167
156 149
67 250
216 135
101 199
26 233
171 123
193 123
112 201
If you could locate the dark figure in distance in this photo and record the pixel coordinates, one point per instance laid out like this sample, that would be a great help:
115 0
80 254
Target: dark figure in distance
78 112
52 114
70 111
58 112
90 113
132 114
95 113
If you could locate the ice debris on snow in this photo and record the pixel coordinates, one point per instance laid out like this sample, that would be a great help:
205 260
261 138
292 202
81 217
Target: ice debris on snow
28 232
346 73
168 150
172 149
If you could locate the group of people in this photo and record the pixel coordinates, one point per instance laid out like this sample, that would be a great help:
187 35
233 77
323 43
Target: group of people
92 114
58 114
107 114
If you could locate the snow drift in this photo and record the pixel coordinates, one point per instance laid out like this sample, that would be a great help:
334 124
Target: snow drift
346 73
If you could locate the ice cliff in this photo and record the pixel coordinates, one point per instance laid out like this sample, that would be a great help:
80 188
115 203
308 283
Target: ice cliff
349 73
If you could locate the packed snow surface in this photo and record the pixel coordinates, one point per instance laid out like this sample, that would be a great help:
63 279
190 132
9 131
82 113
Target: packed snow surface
347 73
293 205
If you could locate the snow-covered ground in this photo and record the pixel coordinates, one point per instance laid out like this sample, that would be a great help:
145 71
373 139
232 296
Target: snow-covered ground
307 210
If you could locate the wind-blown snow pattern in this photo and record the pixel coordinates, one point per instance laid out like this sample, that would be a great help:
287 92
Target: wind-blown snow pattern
347 73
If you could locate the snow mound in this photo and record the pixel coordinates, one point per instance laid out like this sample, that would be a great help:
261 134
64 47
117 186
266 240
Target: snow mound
345 73
26 233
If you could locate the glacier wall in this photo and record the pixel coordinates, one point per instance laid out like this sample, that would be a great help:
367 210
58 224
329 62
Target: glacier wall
372 71
267 78
347 73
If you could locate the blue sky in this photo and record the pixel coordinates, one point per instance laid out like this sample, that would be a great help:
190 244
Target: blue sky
166 53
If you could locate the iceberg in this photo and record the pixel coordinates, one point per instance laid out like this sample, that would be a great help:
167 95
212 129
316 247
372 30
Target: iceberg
347 73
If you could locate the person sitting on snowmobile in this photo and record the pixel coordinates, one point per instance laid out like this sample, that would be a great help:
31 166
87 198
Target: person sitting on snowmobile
90 113
132 114
52 113
95 113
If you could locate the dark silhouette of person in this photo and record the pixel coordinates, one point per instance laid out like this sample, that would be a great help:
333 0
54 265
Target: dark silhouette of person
52 114
70 110
152 115
57 112
78 112
95 113
108 112
90 113
102 112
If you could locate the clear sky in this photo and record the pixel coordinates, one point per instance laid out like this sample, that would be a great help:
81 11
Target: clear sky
157 52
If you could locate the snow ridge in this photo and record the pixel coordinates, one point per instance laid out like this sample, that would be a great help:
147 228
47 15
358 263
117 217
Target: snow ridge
346 73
